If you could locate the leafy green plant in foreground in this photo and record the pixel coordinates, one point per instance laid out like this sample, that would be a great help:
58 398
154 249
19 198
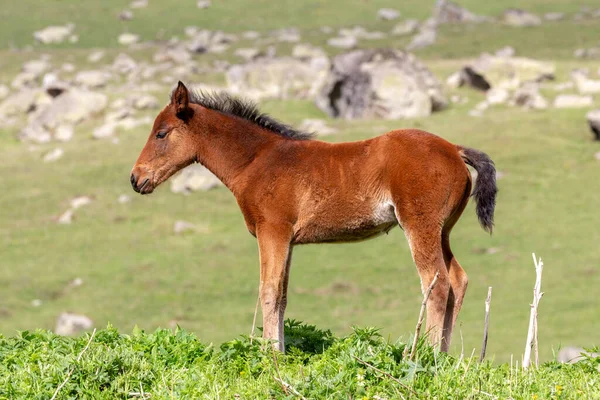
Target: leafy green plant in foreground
166 364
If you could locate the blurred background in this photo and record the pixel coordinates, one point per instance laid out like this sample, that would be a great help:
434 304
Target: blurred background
81 82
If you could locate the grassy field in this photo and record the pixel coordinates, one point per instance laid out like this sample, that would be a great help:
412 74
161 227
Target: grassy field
136 271
362 365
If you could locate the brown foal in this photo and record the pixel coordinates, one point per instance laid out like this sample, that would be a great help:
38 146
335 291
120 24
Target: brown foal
293 190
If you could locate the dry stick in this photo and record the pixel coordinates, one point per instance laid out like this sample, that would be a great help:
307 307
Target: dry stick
73 369
254 319
290 387
487 321
386 374
422 314
531 333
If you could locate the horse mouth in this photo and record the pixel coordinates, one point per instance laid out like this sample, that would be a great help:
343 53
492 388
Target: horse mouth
146 187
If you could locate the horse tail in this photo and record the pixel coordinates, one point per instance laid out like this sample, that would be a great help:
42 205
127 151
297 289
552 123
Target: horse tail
485 185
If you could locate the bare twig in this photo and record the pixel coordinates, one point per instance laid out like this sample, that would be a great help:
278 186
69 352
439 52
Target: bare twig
532 331
487 321
254 319
284 387
422 314
386 374
290 387
73 369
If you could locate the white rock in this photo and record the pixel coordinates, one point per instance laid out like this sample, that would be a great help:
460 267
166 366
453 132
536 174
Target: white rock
597 156
24 79
248 54
36 67
145 102
69 324
53 155
307 51
73 38
105 131
388 14
124 64
251 35
554 16
92 79
203 4
506 51
584 84
193 178
497 96
317 126
124 199
126 15
343 42
63 133
139 4
36 302
516 17
54 34
4 91
66 218
127 39
572 101
183 226
80 201
96 56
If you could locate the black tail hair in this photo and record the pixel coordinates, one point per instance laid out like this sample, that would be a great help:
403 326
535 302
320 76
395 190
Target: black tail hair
485 185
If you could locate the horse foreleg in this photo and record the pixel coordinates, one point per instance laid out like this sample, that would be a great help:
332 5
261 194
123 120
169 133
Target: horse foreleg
275 257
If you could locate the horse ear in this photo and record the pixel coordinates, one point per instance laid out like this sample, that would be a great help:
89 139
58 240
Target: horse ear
180 99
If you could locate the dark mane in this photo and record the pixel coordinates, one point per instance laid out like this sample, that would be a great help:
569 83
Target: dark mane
246 109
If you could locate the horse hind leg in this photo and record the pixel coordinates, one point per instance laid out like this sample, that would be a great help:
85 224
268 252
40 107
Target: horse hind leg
458 288
427 253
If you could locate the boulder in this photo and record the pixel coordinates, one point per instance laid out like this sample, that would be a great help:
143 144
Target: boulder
388 14
497 96
386 84
54 34
316 126
24 79
202 4
194 178
406 27
69 108
23 101
4 91
529 97
593 118
584 84
92 79
517 17
342 42
278 78
446 11
124 64
571 354
505 72
425 37
572 101
248 53
36 67
69 324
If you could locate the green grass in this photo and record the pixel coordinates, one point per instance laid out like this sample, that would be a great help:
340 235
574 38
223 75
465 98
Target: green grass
362 365
136 271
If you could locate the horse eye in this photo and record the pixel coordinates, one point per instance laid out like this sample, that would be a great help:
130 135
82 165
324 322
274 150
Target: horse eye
161 134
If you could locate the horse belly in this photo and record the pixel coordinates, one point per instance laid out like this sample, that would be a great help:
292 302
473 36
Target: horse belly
339 227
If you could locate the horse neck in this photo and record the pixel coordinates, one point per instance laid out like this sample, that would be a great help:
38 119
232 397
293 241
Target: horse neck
226 144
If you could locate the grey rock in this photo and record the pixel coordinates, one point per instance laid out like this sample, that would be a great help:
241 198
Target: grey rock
248 53
572 355
497 96
385 84
517 17
126 15
194 178
183 226
584 84
63 133
69 324
202 4
593 119
36 67
124 64
145 102
529 97
307 51
278 78
446 11
96 56
425 37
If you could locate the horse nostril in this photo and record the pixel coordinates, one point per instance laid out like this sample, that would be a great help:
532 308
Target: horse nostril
133 180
